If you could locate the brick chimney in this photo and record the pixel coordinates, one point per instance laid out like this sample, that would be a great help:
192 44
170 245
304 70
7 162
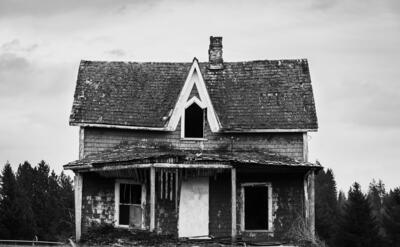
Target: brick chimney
215 53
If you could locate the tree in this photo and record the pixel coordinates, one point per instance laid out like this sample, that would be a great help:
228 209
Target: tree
342 200
326 205
67 221
357 226
16 218
8 193
391 217
376 194
40 202
35 202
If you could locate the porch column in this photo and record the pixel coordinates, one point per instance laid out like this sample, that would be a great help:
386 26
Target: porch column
152 198
312 204
78 179
309 196
233 210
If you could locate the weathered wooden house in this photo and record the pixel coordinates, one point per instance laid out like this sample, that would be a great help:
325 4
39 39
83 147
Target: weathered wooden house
192 149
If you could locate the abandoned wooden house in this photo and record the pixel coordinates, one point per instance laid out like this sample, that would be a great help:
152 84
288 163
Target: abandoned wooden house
194 149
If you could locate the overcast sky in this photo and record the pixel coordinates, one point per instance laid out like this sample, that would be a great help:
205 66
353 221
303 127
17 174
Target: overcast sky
353 49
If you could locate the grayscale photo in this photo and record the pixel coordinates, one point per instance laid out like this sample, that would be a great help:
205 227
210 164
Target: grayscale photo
200 123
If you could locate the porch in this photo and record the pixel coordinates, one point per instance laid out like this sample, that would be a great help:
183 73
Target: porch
190 193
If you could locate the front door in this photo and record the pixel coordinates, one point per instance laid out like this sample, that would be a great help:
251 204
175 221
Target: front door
193 207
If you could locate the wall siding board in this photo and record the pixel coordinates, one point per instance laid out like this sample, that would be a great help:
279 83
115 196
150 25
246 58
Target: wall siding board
287 144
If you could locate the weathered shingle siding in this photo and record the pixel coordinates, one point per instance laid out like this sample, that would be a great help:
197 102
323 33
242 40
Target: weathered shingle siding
286 144
287 200
287 194
98 203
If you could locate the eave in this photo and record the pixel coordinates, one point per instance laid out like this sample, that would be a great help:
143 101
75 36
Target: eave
114 126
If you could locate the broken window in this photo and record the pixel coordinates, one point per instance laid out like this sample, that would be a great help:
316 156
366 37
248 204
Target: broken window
130 204
194 121
256 207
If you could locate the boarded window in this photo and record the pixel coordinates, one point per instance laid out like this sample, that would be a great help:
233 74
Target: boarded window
194 121
130 209
256 207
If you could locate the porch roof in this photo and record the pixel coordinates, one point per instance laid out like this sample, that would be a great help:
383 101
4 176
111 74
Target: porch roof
131 155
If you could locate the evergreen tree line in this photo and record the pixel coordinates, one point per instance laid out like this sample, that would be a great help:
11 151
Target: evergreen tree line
35 203
356 219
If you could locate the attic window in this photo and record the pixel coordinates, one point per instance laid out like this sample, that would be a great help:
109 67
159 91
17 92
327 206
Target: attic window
194 121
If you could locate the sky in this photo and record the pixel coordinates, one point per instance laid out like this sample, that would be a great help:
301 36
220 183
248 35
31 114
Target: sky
353 49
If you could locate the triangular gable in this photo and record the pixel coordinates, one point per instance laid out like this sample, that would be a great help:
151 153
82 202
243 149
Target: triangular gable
194 81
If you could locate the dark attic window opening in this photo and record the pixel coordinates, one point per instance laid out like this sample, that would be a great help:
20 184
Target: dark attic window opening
194 121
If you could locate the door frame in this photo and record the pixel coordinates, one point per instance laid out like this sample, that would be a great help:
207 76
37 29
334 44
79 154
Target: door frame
242 206
116 201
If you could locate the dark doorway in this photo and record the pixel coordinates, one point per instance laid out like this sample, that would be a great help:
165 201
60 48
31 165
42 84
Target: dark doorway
256 208
194 117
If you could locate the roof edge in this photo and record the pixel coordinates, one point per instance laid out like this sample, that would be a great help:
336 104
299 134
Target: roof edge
114 126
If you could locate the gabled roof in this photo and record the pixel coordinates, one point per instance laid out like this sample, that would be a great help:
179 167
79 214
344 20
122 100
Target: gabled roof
247 96
131 154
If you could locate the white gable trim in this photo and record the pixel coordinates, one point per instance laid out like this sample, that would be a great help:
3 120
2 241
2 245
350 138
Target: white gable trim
194 78
195 100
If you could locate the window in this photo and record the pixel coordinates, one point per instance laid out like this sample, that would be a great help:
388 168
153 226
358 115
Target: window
194 121
256 207
128 200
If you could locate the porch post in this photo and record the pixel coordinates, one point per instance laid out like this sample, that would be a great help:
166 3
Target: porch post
152 198
309 194
233 210
78 179
312 204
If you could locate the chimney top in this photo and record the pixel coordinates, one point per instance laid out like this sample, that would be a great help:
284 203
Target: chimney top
215 53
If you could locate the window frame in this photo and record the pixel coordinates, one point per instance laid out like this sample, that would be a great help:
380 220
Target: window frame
193 100
117 187
242 206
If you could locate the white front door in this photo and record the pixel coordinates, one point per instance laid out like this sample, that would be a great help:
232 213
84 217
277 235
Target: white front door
193 207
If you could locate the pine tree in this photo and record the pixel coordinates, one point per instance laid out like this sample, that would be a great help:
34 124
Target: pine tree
342 200
8 193
40 200
326 206
376 194
67 221
16 218
391 217
357 227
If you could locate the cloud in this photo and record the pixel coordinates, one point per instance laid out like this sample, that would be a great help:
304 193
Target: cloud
48 8
116 52
16 46
10 62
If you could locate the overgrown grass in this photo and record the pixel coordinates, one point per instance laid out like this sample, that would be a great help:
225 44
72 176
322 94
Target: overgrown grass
301 235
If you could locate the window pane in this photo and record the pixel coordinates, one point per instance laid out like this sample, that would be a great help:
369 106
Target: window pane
124 214
256 208
194 117
130 193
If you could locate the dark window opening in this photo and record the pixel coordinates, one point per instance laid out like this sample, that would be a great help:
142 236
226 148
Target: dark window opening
130 194
130 199
256 208
194 118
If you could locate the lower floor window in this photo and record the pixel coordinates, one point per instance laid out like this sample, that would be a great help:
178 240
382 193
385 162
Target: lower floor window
256 207
129 209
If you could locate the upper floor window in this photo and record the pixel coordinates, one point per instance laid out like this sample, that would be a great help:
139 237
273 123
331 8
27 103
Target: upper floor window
194 121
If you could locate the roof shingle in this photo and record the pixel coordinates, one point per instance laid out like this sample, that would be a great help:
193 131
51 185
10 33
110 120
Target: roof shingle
266 94
134 153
